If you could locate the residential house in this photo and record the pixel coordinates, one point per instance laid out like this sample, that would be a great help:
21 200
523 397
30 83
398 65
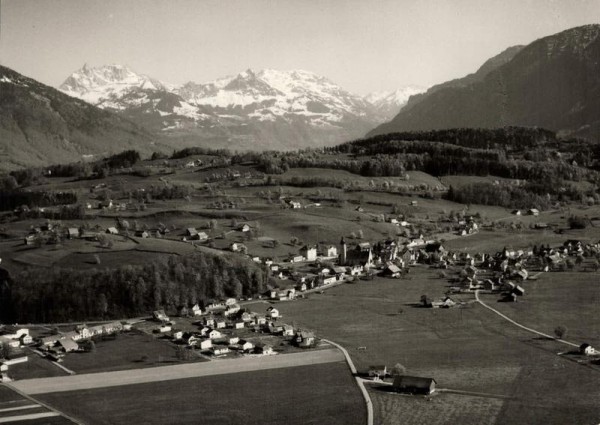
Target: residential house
232 340
288 330
533 211
238 325
272 313
165 328
219 350
72 232
305 339
142 234
262 348
205 344
160 316
309 252
220 324
331 252
245 346
112 231
214 334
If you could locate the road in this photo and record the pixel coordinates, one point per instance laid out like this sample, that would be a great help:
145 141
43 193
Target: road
572 344
166 373
359 381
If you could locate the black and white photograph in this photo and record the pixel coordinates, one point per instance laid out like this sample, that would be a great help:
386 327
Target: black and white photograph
293 212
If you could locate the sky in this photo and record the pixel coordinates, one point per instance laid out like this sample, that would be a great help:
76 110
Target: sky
363 46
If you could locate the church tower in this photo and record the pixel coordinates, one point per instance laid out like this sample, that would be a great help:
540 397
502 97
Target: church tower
342 252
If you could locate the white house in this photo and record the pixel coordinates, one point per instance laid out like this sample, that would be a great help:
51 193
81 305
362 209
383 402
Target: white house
272 312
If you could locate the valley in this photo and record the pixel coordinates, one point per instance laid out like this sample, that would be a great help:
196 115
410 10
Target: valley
268 246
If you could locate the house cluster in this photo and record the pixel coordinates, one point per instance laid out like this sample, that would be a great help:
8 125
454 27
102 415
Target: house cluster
57 345
51 232
222 326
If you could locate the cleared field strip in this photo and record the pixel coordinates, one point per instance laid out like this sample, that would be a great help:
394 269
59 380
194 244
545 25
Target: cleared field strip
30 417
12 409
165 373
572 344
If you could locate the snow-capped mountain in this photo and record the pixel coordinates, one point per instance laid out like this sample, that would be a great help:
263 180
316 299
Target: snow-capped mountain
104 85
253 109
389 103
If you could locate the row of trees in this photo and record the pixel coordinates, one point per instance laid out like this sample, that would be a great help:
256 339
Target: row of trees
65 295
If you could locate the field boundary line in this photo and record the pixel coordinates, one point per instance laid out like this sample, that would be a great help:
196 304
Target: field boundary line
41 403
359 381
520 325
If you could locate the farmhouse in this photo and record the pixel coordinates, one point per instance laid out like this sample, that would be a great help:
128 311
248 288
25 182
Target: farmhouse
73 232
243 227
586 349
391 270
191 232
377 371
67 344
533 211
112 231
414 385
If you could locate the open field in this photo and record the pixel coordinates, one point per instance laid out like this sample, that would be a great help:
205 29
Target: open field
440 409
568 299
317 394
467 348
124 352
415 178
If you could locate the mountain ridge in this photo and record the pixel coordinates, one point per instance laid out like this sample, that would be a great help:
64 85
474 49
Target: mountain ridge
264 109
552 83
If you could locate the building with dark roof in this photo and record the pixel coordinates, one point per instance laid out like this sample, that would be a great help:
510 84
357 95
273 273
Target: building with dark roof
414 384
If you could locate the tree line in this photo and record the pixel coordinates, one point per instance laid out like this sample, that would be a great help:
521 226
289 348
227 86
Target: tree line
57 295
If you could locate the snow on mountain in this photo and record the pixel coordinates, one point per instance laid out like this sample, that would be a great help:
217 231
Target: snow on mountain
101 86
297 107
389 103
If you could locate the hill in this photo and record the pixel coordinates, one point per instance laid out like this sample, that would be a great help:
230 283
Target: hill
553 83
41 125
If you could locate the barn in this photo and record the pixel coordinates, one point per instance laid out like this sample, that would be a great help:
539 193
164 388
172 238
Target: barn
414 385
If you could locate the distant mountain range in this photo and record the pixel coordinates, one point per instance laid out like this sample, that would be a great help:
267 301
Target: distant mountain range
265 109
553 82
41 125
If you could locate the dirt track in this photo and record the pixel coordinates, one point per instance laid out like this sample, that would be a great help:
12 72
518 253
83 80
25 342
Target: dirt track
165 373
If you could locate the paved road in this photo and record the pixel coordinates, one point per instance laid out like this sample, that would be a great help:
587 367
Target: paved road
165 373
572 344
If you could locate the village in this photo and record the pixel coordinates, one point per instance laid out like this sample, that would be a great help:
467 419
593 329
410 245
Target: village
231 328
